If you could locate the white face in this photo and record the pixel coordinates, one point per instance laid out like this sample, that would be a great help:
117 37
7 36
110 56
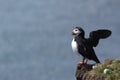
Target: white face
76 31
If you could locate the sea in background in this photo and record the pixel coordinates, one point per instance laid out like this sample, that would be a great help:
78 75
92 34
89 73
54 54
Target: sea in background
35 40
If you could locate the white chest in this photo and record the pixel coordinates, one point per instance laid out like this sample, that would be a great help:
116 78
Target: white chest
74 46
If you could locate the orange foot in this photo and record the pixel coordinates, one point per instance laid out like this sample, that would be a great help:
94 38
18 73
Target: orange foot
82 62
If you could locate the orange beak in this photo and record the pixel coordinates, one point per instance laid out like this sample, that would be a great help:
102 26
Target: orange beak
72 33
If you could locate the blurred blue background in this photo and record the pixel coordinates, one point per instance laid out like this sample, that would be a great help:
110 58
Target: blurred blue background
35 40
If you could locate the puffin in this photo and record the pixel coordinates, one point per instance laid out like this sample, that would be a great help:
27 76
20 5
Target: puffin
85 46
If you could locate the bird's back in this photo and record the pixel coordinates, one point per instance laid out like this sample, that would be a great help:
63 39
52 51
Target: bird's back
86 49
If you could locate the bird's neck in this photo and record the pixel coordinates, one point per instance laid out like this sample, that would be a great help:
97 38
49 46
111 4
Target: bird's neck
81 36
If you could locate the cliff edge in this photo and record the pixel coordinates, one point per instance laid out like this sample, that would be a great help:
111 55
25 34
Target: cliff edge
108 70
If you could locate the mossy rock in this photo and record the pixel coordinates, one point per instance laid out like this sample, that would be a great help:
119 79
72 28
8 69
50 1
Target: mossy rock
109 70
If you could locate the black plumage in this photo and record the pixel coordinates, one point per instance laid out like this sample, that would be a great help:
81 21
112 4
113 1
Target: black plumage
84 46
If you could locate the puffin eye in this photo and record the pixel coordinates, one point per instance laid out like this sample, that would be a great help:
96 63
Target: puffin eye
76 30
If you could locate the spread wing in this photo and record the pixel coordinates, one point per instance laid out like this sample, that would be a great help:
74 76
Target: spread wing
95 36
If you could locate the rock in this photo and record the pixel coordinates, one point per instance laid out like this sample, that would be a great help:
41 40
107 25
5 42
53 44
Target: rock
82 73
108 61
108 70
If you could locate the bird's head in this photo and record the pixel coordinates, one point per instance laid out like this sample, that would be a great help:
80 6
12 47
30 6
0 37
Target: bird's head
78 31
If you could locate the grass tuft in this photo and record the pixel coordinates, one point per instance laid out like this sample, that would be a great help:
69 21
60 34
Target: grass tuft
110 71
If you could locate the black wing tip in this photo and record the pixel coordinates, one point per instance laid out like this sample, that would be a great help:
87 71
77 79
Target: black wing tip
104 33
95 36
109 33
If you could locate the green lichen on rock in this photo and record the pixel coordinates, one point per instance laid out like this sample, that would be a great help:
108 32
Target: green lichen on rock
110 71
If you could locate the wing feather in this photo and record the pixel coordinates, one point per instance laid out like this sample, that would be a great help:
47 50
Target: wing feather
95 36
